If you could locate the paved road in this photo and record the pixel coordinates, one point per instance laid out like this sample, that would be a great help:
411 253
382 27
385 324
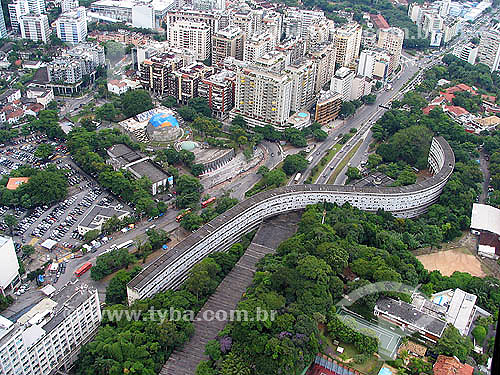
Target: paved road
364 114
359 157
242 183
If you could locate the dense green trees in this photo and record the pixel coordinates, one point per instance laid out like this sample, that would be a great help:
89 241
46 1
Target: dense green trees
453 344
44 151
134 102
294 163
116 291
410 145
45 186
188 190
110 262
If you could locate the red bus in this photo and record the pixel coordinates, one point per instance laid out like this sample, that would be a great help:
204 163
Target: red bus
84 268
207 202
179 217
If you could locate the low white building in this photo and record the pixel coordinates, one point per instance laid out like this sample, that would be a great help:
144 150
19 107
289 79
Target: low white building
42 95
97 216
9 266
117 87
485 223
48 337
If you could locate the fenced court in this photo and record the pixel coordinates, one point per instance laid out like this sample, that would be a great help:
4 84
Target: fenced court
388 340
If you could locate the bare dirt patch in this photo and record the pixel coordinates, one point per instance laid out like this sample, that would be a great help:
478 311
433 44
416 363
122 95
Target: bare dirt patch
450 261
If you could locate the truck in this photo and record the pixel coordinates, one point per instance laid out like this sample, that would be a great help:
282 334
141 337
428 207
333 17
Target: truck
297 177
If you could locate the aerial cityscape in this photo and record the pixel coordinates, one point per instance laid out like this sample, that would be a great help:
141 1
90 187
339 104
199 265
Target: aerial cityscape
254 187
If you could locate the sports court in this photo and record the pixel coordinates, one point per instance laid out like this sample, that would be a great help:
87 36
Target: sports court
388 340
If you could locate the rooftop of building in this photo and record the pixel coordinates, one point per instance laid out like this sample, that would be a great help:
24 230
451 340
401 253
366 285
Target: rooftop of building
379 21
148 169
158 5
485 218
229 32
451 366
15 182
98 213
411 315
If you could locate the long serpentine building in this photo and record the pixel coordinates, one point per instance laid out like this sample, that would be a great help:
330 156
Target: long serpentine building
172 268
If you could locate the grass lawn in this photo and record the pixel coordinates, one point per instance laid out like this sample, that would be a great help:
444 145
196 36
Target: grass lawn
371 366
344 162
325 160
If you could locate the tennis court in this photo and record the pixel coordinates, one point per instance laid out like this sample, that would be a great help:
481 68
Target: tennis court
388 340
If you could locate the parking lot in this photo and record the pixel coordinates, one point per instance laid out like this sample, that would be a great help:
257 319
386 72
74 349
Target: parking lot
60 221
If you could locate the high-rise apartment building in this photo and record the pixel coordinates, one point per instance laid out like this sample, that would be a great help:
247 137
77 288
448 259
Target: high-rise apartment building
323 57
71 26
37 6
191 35
272 22
391 40
374 63
489 48
303 76
327 107
293 49
227 42
297 21
212 18
244 20
341 83
257 46
318 33
9 267
35 27
154 73
262 97
16 10
67 5
186 80
3 28
218 90
347 44
47 338
466 52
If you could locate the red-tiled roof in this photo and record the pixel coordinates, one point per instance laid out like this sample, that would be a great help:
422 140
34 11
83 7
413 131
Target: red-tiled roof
489 98
379 21
451 366
14 182
428 109
448 96
117 83
456 110
459 88
15 114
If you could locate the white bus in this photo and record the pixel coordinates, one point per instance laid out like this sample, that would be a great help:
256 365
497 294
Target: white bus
297 177
125 244
310 159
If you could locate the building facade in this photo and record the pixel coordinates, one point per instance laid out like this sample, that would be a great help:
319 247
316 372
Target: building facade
489 48
9 267
48 338
263 97
191 35
71 26
155 73
35 27
227 42
16 10
327 107
218 90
